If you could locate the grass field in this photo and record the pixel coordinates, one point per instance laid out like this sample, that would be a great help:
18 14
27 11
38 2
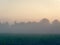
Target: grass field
19 39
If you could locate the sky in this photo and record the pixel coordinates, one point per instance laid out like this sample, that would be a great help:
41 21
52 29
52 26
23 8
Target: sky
29 10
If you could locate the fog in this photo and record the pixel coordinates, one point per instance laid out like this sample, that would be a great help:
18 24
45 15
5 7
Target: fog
42 27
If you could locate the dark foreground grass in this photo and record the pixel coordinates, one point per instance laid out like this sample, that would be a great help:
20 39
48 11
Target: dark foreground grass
16 39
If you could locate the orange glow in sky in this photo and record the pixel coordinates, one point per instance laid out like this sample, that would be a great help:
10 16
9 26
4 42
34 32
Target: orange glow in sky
29 10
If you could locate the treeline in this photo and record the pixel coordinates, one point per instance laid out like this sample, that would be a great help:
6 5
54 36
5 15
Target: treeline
42 27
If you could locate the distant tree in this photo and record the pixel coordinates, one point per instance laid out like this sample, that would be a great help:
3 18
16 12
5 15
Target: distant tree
55 22
29 22
44 21
15 22
55 27
22 23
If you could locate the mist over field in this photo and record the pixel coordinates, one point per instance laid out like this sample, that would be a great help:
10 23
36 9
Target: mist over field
42 27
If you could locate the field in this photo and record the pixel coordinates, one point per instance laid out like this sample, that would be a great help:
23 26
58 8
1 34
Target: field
21 39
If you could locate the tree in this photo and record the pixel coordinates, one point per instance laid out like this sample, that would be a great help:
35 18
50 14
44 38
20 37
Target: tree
44 21
55 22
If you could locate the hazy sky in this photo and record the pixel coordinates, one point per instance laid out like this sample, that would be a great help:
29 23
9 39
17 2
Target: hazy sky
29 10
